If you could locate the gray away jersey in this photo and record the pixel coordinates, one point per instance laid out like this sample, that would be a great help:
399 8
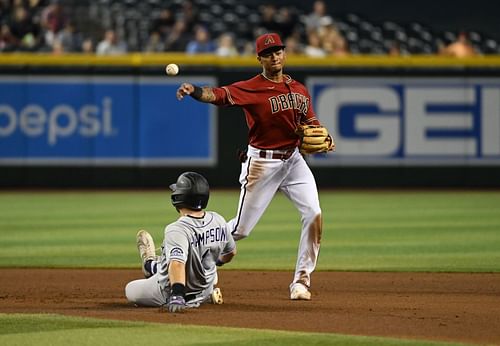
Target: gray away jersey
197 242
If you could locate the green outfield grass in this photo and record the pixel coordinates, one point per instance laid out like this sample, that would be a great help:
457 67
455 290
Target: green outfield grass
363 231
54 330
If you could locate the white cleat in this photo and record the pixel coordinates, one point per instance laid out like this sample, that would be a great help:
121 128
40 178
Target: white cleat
299 292
146 247
217 296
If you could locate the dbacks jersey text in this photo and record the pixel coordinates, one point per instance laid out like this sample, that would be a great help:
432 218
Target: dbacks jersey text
273 110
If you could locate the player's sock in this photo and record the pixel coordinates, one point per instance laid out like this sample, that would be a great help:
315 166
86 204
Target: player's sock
151 267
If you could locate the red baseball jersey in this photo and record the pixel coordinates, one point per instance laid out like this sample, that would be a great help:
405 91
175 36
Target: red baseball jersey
272 110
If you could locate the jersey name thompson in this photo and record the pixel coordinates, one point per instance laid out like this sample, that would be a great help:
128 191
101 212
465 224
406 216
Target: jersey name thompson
212 235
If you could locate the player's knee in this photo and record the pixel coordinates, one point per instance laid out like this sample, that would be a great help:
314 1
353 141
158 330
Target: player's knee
316 211
130 292
311 215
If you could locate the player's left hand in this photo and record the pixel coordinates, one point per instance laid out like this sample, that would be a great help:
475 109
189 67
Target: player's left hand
176 304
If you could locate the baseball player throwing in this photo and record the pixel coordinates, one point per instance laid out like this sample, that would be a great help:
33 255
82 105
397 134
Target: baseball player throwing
185 274
282 125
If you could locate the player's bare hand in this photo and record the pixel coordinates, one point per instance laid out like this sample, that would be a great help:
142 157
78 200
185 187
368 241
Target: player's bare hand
184 89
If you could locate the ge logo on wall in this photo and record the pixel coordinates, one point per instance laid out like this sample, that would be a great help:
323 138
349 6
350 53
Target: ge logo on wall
409 120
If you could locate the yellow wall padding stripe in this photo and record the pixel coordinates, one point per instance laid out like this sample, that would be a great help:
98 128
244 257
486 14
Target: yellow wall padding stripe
138 60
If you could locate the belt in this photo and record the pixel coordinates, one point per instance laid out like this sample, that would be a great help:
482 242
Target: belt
276 155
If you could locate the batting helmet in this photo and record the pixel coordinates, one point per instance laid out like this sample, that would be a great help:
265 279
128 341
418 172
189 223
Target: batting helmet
190 191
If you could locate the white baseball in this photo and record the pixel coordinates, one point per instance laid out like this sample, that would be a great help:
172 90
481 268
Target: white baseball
172 69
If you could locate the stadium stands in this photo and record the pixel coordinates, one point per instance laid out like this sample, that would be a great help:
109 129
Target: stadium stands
133 20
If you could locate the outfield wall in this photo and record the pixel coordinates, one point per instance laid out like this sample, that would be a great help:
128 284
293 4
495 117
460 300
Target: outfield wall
87 121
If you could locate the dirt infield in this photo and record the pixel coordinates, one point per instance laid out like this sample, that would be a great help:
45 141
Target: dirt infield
450 307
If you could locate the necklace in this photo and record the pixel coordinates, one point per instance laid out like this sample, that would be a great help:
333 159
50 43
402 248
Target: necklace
269 79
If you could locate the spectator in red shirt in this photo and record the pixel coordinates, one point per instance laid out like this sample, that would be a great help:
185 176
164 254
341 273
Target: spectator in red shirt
53 20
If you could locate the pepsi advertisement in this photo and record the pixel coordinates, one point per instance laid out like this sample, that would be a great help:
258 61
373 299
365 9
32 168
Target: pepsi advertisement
53 120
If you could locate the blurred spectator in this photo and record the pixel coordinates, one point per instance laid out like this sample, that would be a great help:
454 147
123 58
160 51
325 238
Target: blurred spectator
57 47
326 27
87 46
69 38
337 47
268 22
311 21
35 9
293 46
314 47
332 41
202 43
248 49
164 23
111 45
8 42
24 29
155 43
53 19
286 22
395 49
33 4
178 38
334 44
461 48
226 46
189 14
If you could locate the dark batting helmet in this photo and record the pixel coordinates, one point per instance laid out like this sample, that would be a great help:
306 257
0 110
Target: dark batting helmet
190 191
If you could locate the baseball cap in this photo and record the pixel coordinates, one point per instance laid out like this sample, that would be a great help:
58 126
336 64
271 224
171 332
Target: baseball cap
268 41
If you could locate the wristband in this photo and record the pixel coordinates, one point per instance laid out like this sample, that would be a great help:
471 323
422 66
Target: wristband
197 92
178 289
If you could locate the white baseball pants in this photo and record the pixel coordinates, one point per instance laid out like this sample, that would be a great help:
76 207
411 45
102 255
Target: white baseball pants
145 292
260 179
149 292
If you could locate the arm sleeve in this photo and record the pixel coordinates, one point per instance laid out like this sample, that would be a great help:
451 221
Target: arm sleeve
176 244
221 97
236 94
230 245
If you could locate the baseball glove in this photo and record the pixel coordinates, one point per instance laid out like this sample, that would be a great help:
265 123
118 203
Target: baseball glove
314 139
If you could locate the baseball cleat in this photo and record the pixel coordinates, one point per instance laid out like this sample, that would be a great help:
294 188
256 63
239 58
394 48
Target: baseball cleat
146 247
217 296
299 292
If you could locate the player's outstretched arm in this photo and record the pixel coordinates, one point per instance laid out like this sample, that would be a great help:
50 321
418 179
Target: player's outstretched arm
203 94
177 277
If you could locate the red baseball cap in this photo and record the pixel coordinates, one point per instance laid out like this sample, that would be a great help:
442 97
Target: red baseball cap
267 41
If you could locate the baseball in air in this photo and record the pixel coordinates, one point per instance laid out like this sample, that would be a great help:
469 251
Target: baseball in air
172 69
